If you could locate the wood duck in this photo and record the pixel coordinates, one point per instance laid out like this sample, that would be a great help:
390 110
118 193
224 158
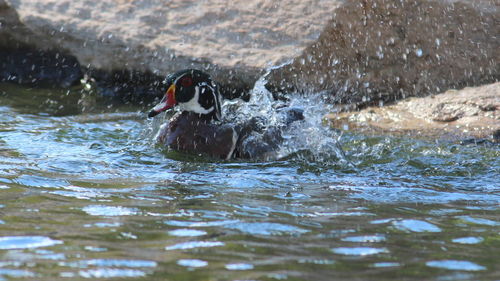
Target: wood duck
198 129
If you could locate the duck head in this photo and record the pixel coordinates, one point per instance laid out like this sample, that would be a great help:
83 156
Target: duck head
193 91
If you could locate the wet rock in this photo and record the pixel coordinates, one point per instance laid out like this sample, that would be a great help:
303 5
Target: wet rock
126 86
380 51
233 40
370 52
455 114
37 68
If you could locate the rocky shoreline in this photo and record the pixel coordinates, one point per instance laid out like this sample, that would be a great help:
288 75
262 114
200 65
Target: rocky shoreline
360 53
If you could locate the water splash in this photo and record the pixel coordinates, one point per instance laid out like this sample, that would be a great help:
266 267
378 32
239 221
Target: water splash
308 140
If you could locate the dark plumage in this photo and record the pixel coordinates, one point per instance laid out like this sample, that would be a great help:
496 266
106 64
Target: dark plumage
197 128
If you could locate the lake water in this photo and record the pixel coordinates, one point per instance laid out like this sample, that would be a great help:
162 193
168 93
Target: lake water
86 194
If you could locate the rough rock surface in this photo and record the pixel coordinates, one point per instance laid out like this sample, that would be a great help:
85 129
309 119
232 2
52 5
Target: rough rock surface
236 40
385 50
454 114
39 68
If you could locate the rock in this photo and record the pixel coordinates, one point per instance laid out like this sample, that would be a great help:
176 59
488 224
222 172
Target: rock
380 51
454 114
369 52
233 40
38 68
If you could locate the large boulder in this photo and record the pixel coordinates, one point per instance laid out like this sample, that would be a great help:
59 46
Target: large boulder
368 52
234 40
379 51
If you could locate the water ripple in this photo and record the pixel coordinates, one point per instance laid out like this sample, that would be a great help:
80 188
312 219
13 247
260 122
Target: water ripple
194 244
26 242
482 221
365 238
111 273
455 265
468 240
187 232
192 263
110 263
239 266
415 226
15 273
200 223
266 228
102 210
359 251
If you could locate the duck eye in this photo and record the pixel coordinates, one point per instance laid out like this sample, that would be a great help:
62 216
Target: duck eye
186 81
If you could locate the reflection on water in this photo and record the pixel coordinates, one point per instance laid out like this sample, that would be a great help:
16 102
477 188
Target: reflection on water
359 251
89 196
192 263
455 265
25 242
415 226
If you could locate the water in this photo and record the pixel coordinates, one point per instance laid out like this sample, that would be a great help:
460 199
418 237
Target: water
84 194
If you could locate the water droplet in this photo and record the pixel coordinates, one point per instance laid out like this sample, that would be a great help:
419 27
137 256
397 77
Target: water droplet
418 52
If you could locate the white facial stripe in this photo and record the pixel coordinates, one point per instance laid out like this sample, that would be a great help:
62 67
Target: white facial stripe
233 145
215 96
193 104
217 104
175 82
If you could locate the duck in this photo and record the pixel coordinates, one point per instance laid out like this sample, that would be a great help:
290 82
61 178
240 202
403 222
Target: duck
198 128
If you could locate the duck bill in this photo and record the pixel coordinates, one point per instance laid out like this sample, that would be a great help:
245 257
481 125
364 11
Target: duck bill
167 102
